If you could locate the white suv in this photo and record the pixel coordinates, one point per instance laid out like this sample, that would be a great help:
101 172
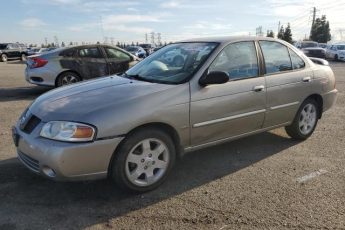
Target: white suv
336 52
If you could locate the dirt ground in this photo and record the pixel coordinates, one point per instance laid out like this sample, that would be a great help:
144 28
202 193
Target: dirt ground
266 181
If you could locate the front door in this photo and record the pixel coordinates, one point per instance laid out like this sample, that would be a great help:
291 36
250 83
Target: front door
234 108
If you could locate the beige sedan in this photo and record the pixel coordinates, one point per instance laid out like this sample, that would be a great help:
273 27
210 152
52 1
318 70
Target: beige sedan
131 127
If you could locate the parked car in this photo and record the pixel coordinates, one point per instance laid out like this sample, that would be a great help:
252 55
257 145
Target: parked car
132 127
12 51
312 49
69 65
336 52
136 51
148 48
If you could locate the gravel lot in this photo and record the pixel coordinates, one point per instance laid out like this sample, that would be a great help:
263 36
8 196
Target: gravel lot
266 181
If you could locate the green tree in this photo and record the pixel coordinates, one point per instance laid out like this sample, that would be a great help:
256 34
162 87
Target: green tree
62 44
270 34
320 31
287 34
281 33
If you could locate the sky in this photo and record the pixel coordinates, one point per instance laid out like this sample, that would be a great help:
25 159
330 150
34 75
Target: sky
33 21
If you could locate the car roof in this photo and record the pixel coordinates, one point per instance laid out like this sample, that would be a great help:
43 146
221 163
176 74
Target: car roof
227 39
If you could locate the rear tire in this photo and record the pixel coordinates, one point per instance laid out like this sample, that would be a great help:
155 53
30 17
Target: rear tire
336 57
67 78
3 57
305 120
143 160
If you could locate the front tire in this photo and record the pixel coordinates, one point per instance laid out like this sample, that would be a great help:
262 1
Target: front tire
336 57
3 57
305 120
143 161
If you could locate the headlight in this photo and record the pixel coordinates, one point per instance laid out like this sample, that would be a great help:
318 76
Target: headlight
68 131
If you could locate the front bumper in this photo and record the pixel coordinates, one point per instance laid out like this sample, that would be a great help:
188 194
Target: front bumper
329 99
63 161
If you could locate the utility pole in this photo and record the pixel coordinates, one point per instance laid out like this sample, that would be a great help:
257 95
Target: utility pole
312 23
278 28
46 41
152 38
159 41
56 41
146 39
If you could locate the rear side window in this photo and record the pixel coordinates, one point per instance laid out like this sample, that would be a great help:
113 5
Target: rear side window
68 53
297 61
239 60
90 52
276 57
116 54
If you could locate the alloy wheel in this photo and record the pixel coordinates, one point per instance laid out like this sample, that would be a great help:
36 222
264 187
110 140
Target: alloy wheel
69 79
307 119
147 162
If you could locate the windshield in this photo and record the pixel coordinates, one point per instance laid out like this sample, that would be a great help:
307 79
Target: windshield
173 64
341 47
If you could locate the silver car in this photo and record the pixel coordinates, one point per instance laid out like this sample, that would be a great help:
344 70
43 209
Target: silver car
73 64
132 127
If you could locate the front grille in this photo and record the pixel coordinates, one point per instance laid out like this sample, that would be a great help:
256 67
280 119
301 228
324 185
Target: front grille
29 162
31 124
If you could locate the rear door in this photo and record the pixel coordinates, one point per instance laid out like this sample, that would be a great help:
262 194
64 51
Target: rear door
118 61
91 63
288 82
234 108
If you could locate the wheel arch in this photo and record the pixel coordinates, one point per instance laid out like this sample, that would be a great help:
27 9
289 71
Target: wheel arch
171 131
65 71
319 100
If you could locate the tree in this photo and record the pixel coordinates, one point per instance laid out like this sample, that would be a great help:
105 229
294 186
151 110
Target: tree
287 34
270 34
281 33
320 31
62 44
71 43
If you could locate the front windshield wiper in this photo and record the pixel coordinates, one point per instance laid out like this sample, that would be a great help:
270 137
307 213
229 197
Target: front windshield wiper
138 77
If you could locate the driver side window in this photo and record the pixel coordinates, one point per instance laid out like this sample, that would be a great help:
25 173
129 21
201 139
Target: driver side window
239 60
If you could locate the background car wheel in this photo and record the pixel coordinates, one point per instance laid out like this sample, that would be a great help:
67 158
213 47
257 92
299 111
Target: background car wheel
305 121
3 57
143 160
336 57
68 78
23 57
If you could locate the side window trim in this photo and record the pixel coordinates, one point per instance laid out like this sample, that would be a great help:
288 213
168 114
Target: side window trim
298 69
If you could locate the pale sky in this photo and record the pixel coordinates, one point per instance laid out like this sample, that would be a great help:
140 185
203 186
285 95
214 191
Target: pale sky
31 21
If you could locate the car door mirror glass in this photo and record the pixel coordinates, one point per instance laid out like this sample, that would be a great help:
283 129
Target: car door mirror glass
214 77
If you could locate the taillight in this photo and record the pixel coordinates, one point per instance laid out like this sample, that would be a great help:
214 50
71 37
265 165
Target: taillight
37 62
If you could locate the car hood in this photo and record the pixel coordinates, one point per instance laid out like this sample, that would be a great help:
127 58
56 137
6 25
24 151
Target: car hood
80 101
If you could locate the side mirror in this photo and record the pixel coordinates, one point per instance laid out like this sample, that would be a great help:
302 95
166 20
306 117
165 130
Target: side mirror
214 77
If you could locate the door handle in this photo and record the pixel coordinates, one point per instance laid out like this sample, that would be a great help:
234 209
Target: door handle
258 88
306 79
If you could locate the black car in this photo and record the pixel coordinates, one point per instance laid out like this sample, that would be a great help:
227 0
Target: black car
12 51
312 49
